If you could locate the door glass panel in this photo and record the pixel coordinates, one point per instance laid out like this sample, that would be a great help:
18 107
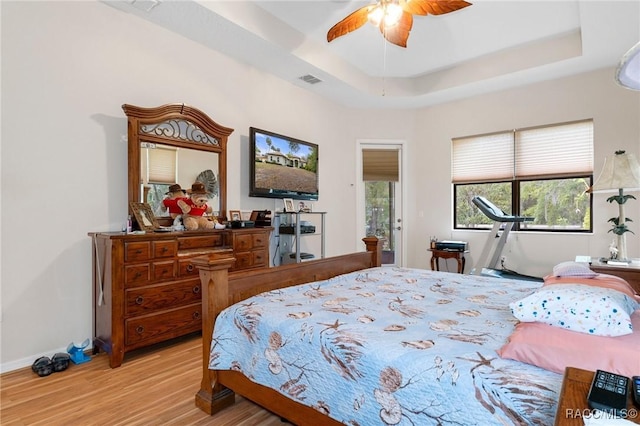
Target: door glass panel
380 215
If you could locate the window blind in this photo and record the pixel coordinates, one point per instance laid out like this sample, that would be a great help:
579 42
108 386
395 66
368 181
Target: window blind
380 165
486 158
550 151
162 165
565 149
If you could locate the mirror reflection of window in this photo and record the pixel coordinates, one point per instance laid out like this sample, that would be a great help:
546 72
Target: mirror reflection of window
159 170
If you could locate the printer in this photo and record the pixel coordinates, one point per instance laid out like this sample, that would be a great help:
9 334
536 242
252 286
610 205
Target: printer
451 245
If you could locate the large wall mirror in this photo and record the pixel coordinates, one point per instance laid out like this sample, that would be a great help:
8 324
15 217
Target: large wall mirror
171 144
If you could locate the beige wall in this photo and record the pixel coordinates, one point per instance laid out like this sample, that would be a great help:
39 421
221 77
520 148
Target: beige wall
68 67
616 115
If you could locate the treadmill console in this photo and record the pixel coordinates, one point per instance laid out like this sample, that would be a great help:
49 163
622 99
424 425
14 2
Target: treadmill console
494 213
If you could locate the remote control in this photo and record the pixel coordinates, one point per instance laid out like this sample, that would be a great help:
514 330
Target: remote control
635 388
608 392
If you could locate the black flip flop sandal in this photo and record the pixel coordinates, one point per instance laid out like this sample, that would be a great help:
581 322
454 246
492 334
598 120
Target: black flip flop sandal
42 366
60 361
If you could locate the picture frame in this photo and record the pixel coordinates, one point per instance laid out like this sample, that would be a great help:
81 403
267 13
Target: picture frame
289 207
235 215
305 207
144 216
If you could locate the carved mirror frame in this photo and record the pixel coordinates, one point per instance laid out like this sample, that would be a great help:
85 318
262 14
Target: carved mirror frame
177 125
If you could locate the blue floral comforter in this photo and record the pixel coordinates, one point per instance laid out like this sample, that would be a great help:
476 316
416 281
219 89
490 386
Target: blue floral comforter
390 346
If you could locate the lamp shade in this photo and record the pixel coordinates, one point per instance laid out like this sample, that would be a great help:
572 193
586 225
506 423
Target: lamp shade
628 71
620 171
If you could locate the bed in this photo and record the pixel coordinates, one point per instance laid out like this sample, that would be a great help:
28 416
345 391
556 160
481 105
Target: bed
345 341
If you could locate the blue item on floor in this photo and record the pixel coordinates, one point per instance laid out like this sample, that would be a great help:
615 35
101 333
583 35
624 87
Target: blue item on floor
77 352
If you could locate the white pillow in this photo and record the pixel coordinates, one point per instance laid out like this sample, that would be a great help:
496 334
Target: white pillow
578 307
572 269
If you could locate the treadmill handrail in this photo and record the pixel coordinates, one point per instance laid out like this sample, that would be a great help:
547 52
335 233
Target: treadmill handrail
494 213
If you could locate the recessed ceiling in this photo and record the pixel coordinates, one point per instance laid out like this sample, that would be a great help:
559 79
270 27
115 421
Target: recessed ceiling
489 46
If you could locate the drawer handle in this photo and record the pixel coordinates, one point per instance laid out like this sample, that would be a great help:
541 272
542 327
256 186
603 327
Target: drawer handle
139 251
137 275
259 240
139 329
196 289
165 249
196 315
190 268
139 300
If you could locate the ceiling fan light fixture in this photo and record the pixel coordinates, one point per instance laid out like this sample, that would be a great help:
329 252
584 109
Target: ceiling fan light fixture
394 18
387 12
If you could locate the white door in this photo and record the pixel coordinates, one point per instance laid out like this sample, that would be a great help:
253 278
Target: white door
379 205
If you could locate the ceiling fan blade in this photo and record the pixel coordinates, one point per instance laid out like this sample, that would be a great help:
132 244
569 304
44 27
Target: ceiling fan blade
350 23
432 7
399 33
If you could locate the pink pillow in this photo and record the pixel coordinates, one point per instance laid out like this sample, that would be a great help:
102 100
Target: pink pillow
554 348
573 269
600 280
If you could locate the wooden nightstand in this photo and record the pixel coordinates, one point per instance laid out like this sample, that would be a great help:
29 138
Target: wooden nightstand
447 254
573 405
629 273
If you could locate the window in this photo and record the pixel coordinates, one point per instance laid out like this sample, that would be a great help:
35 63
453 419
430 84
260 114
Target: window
539 172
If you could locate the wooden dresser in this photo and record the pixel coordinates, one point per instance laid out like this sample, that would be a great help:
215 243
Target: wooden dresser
630 273
145 289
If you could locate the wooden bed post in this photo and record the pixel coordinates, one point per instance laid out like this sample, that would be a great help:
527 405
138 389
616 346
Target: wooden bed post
214 276
374 245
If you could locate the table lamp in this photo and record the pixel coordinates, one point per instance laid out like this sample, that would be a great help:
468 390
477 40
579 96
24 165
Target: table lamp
619 173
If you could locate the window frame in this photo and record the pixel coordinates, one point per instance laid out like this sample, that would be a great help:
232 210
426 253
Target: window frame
516 182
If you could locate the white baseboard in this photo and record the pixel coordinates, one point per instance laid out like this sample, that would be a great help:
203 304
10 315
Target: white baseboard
6 367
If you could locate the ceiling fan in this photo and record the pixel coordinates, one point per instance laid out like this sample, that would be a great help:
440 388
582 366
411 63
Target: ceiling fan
393 17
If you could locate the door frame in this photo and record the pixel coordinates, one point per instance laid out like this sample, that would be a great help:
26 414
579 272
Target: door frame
401 145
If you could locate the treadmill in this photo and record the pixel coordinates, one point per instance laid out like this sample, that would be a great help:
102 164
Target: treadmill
502 225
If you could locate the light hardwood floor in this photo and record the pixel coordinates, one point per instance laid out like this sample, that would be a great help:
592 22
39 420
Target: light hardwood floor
152 387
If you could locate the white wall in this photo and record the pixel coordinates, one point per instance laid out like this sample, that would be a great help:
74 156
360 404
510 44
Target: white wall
67 67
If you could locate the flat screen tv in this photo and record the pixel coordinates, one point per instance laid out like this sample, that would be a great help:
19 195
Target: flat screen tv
282 166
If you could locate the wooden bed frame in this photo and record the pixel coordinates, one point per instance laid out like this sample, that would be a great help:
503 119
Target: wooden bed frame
221 289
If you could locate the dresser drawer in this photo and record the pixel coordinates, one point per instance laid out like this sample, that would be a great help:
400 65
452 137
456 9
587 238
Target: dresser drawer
137 274
243 242
186 268
260 240
250 259
243 260
163 296
187 243
136 251
162 271
152 328
167 248
260 258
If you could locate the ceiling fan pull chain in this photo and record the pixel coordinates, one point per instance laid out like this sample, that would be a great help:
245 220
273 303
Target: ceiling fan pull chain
384 64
